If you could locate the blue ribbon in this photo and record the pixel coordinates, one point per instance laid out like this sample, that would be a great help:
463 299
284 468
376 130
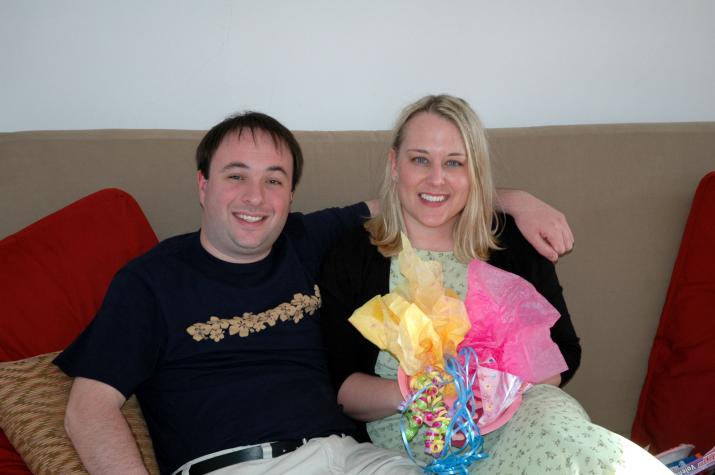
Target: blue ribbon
454 460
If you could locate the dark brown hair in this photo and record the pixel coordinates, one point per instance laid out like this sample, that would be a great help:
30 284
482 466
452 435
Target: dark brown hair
251 121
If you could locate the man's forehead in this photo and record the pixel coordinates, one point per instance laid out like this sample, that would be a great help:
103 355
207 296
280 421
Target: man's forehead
244 145
258 137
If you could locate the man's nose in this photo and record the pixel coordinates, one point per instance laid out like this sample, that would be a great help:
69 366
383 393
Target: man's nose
253 193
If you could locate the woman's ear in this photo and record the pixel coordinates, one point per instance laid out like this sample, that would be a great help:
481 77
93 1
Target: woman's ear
392 156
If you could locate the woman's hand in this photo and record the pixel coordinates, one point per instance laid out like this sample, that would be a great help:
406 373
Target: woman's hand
543 226
553 380
366 398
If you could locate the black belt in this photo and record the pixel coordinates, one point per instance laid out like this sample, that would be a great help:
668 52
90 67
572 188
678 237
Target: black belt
243 455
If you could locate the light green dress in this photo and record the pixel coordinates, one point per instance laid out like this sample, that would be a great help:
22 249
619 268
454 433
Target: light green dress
549 433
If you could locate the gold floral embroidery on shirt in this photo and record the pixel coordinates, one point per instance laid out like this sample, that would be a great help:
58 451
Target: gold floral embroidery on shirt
215 328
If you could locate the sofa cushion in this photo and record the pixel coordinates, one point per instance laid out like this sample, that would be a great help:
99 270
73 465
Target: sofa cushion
10 461
55 272
676 400
33 397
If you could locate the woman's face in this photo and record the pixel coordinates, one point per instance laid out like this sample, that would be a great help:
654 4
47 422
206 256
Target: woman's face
430 169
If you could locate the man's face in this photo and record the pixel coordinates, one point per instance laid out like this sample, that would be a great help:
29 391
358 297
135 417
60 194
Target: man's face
246 198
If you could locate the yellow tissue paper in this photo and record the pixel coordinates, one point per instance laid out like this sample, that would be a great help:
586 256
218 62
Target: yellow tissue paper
420 322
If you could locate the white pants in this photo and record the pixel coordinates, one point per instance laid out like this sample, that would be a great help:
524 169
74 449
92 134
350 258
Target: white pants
326 455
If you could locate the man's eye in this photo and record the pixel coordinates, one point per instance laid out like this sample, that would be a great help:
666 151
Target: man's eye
235 177
273 181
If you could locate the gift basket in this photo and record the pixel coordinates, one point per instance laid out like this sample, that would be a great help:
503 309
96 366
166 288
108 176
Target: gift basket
463 368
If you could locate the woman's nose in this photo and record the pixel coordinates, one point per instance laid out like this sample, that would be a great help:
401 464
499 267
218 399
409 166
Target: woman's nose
436 175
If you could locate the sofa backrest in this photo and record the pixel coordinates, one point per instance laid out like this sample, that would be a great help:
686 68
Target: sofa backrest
626 190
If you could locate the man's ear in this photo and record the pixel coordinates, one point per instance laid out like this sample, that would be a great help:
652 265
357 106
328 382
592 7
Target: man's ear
392 156
201 183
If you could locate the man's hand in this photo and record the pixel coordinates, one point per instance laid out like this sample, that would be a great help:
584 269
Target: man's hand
374 207
544 227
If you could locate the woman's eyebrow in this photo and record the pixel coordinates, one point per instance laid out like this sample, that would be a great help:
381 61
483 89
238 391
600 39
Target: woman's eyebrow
421 150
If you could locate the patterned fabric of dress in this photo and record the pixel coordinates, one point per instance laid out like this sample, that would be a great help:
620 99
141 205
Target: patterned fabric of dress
386 432
549 433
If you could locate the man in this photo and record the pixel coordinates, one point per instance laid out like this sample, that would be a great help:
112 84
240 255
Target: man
217 332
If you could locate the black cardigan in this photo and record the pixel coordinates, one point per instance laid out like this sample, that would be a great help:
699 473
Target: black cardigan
354 272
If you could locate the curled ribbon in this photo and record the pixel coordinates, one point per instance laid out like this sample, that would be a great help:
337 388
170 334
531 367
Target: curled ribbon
451 456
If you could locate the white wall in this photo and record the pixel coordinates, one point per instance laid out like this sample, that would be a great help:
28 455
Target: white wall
328 64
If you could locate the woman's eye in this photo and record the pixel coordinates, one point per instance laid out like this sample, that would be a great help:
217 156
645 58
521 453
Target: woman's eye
453 163
420 160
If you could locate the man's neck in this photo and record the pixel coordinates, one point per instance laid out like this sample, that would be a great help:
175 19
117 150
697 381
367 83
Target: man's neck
236 258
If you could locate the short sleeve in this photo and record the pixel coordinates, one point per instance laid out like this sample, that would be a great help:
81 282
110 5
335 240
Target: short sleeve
313 234
122 345
325 227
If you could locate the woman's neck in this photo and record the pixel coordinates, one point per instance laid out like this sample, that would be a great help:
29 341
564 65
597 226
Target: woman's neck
430 239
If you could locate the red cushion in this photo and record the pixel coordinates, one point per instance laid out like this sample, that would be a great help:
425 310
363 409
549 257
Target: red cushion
55 272
10 462
54 275
676 403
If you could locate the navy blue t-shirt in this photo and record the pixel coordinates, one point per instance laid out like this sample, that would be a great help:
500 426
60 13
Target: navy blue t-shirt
219 354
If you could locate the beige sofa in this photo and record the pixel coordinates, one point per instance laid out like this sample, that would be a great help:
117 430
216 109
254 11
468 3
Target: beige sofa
626 190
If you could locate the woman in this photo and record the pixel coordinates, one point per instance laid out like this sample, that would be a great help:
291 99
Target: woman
438 190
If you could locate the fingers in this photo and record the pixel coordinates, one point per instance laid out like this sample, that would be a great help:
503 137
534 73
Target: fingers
568 242
547 230
568 238
557 241
559 236
546 249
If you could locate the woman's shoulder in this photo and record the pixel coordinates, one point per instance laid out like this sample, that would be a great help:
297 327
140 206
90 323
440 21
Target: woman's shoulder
354 251
356 241
508 234
516 254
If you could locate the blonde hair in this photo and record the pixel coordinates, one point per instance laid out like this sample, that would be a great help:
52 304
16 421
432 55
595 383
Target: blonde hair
473 234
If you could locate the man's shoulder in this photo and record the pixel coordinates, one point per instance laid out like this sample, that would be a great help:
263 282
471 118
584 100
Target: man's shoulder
166 249
506 226
176 243
516 254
